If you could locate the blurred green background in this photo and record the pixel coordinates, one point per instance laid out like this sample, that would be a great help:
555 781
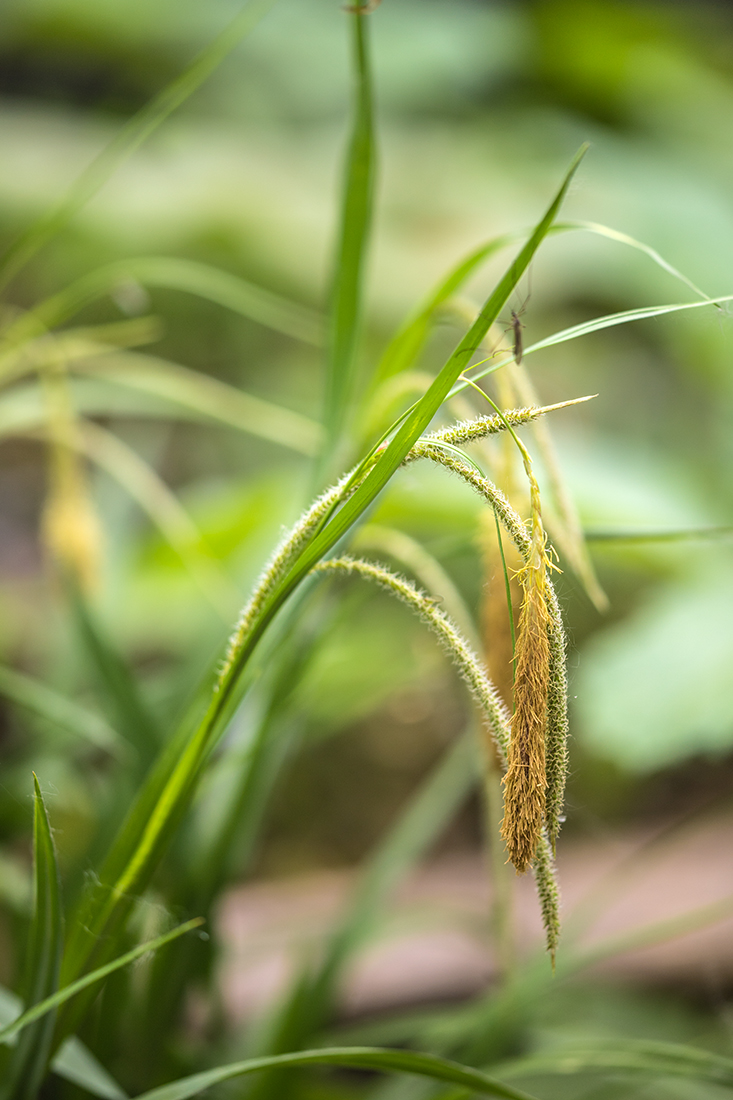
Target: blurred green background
480 106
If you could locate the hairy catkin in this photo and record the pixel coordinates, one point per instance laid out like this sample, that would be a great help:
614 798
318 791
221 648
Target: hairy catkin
525 782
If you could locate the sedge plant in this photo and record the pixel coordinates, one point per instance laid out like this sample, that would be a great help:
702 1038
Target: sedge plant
80 936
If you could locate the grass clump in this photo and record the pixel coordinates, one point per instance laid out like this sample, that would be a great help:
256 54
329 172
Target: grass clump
371 432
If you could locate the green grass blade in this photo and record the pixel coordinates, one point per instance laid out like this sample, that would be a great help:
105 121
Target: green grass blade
381 1060
146 834
309 1005
161 506
405 346
26 691
678 534
207 282
417 419
356 216
633 1057
207 397
75 1063
130 137
624 238
30 1057
61 996
597 324
419 826
130 714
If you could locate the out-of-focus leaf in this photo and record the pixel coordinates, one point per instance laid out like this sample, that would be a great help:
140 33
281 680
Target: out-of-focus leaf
597 324
131 136
656 688
77 1064
42 1008
207 282
631 1056
30 1056
16 889
44 701
162 507
307 1007
404 348
385 1061
120 691
208 397
356 216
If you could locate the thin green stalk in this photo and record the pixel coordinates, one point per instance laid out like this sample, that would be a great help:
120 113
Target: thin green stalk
356 218
508 588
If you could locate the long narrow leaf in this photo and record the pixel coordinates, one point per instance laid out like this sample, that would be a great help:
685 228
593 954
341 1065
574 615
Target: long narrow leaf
356 216
633 1057
624 238
609 320
120 692
77 1064
418 418
136 855
382 1060
162 506
74 1061
405 346
207 282
311 999
47 703
131 136
207 397
30 1057
38 1011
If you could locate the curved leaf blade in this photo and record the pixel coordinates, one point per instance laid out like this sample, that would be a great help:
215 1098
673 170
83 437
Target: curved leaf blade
48 1004
130 137
382 1060
30 1057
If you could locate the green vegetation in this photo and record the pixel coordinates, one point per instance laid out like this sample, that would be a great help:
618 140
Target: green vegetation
166 756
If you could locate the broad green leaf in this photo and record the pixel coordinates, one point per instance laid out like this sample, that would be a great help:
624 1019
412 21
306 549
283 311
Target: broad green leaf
30 1056
655 688
44 701
207 282
41 1009
130 138
384 1061
356 215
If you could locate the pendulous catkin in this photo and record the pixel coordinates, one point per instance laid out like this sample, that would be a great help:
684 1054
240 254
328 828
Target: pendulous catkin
525 782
